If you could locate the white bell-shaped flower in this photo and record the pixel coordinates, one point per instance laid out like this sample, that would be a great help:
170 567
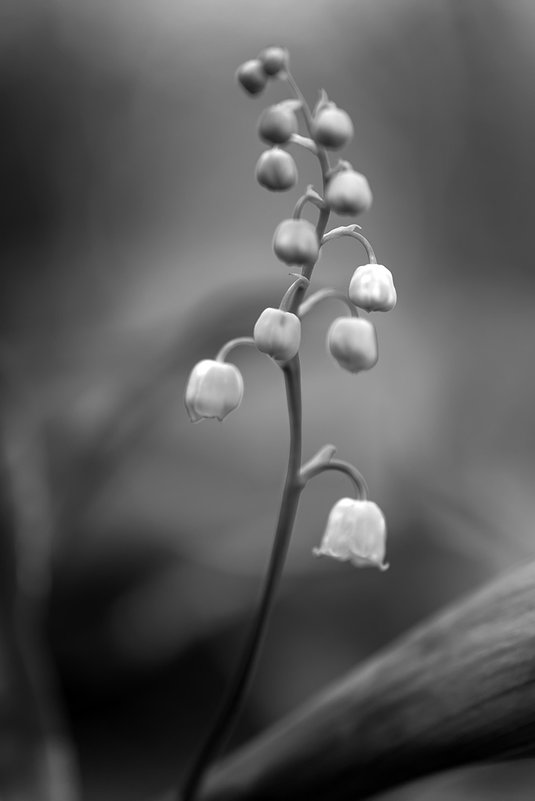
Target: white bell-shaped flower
278 333
355 532
372 288
214 389
352 341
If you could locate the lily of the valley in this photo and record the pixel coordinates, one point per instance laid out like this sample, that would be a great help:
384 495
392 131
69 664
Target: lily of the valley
372 288
355 532
214 389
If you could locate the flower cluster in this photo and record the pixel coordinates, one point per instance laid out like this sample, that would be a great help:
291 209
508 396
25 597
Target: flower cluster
355 529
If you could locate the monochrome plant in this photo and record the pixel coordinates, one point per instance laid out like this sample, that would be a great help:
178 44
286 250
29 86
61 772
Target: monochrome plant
356 529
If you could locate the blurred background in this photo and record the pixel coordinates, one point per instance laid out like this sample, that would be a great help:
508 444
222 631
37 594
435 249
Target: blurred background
134 241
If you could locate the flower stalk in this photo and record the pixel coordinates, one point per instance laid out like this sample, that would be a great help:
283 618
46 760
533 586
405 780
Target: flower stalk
356 530
293 487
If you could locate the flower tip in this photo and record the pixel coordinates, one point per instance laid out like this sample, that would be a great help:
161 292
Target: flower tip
193 417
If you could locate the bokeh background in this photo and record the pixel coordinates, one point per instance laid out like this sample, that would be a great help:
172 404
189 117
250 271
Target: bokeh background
135 241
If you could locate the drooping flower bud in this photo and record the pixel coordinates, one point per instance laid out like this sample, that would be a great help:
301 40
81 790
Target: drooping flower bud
332 127
355 532
352 341
348 192
273 60
277 124
251 76
372 288
296 242
213 390
276 170
278 333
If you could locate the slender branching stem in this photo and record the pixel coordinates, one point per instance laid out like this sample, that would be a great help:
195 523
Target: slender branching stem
325 167
288 509
307 114
324 455
304 141
231 344
293 486
323 294
349 230
314 468
287 298
310 196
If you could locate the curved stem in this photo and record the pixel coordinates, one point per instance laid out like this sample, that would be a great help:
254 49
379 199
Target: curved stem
307 114
325 170
321 457
310 196
349 230
304 141
286 302
323 294
314 468
288 509
231 344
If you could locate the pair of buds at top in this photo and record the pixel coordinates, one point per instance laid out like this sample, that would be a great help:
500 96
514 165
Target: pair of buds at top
332 127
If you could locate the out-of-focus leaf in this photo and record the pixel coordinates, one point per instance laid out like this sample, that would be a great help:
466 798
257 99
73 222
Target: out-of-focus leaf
455 691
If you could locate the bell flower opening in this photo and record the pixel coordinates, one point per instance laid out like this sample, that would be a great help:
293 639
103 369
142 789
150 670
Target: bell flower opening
214 389
278 333
356 533
372 288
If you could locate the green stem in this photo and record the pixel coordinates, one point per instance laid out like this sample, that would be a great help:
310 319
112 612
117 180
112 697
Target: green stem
290 498
287 513
287 298
325 166
323 294
316 466
231 344
349 230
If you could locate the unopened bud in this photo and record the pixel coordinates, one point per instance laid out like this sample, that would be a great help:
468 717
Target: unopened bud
214 389
276 170
348 192
296 242
355 532
332 127
278 333
251 76
273 60
277 124
372 288
352 341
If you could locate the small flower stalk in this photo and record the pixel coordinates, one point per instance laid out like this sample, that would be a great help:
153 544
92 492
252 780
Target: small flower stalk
356 528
